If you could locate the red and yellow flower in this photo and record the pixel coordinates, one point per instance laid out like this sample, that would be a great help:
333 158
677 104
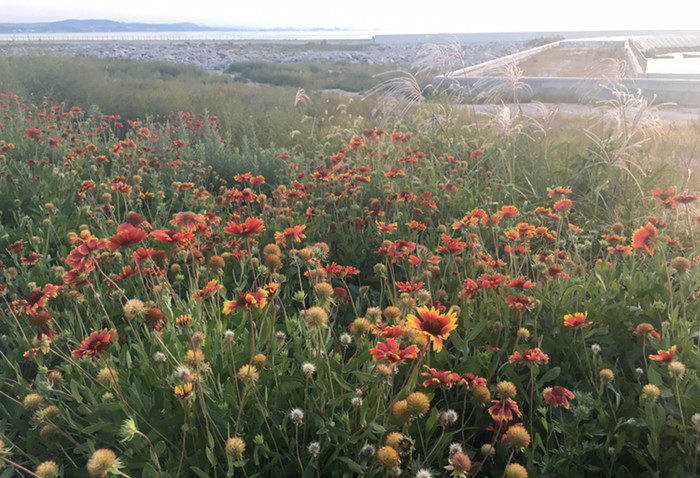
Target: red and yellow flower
393 352
557 396
433 324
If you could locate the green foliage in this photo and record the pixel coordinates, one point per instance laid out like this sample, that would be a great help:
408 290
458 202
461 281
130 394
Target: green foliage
344 197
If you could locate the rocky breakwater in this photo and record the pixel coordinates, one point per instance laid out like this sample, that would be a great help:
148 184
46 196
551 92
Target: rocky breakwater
218 55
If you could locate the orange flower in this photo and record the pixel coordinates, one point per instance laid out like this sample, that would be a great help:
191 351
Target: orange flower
250 227
126 235
642 237
246 300
189 221
297 232
646 328
393 352
384 227
35 300
562 204
182 391
95 343
664 355
574 320
557 396
433 325
211 287
558 190
508 211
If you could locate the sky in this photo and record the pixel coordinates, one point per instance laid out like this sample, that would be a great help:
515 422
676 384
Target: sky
407 16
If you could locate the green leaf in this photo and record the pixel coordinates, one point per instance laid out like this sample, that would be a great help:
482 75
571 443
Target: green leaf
550 375
74 387
149 471
199 472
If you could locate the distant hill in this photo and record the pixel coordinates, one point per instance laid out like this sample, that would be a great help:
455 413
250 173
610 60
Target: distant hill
99 26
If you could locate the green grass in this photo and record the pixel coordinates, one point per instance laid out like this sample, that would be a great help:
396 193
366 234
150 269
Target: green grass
153 89
311 76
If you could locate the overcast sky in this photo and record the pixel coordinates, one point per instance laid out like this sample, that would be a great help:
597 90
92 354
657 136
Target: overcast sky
408 16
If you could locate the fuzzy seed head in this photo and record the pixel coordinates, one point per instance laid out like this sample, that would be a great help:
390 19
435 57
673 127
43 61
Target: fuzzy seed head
481 394
235 447
676 369
388 457
515 470
134 308
248 374
417 403
506 389
606 375
47 469
518 437
32 402
316 317
106 376
101 462
296 416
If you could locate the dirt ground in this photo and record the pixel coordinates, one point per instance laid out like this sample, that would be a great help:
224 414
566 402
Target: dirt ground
578 62
671 114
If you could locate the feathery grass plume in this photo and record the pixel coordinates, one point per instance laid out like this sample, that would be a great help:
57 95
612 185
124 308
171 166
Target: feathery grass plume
630 121
301 98
504 83
397 94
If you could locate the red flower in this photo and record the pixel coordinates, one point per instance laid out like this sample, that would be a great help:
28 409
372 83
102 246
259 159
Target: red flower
453 245
126 236
520 283
407 286
503 410
95 343
469 287
664 195
416 226
389 331
250 227
530 355
33 134
491 281
392 352
520 301
664 355
446 378
557 396
684 199
642 237
471 380
37 299
31 259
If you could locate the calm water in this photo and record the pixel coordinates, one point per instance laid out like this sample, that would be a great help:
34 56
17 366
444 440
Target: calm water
302 35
